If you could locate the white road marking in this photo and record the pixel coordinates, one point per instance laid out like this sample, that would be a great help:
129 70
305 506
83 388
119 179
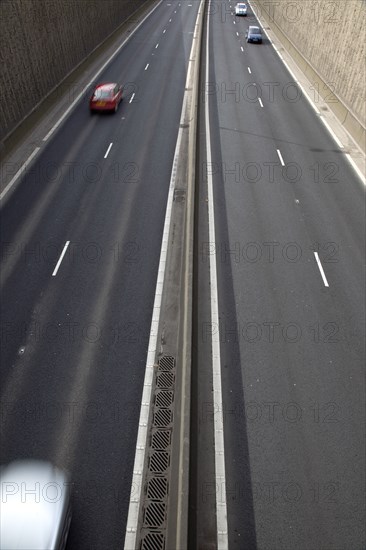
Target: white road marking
153 347
147 66
338 142
21 170
280 157
356 168
242 49
97 74
321 269
234 22
170 20
164 31
249 71
260 102
157 45
109 148
60 259
221 509
237 34
133 95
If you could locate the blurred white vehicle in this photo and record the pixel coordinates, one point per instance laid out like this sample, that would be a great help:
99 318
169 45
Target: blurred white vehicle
35 510
241 9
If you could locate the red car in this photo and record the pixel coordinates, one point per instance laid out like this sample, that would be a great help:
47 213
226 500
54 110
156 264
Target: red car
106 97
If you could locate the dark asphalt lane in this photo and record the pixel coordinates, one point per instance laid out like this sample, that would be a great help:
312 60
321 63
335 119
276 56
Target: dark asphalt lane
291 349
74 345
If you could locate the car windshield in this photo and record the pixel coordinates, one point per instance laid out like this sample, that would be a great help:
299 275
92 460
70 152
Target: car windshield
103 94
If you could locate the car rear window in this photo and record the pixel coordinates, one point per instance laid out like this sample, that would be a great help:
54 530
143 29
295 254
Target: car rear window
103 94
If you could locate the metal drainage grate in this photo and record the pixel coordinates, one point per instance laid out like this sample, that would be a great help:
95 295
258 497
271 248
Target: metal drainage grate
159 462
164 398
153 541
179 195
154 510
162 418
157 488
160 440
165 380
166 362
154 514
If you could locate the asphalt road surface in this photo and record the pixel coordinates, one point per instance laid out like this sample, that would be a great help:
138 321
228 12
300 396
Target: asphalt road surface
74 342
291 322
81 236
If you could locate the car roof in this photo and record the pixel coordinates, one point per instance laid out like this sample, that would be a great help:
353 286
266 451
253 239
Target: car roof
30 514
251 28
106 86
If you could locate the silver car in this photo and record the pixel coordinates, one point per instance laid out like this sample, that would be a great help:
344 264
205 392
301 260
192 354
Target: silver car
254 34
35 510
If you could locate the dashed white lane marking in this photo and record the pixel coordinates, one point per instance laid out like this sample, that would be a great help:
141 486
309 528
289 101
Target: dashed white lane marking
260 102
280 157
133 95
164 31
170 20
21 170
60 259
321 269
56 125
221 508
157 45
242 49
147 66
109 148
249 71
237 34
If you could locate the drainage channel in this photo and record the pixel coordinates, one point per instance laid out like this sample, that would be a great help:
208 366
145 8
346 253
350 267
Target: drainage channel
157 482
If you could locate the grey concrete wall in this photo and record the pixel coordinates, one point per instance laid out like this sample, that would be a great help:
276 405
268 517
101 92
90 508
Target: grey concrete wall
330 36
41 41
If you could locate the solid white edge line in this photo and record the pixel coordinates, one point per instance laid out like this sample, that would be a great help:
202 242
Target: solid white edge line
141 443
109 148
131 99
356 168
221 510
321 269
97 74
19 172
60 259
260 102
280 157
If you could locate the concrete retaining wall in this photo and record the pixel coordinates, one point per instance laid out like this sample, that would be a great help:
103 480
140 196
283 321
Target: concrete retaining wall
41 41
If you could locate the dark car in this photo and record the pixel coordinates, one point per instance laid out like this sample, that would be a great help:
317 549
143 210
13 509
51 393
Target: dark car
35 506
254 34
106 97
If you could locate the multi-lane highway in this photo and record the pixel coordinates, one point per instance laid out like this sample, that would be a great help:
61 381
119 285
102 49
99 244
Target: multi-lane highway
279 244
75 339
288 224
